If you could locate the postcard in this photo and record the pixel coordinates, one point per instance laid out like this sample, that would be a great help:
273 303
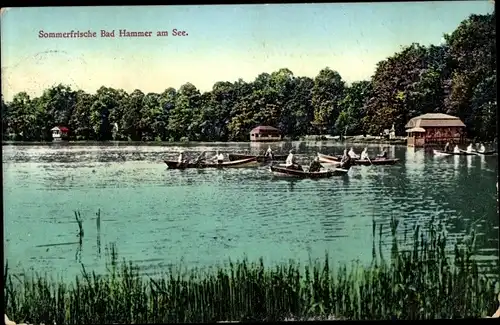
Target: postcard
333 161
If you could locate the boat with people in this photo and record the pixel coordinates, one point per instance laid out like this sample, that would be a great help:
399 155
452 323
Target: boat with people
248 162
470 151
297 173
364 162
485 153
260 158
481 152
441 153
292 168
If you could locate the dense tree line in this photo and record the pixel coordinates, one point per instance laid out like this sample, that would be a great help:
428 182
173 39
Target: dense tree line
457 77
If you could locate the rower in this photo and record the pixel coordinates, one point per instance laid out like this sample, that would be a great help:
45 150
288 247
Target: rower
469 148
456 149
315 165
352 154
291 161
219 157
447 147
181 159
346 160
383 154
482 148
269 152
364 154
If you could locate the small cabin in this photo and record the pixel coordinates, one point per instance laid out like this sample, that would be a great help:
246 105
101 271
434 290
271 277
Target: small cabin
265 133
434 129
59 133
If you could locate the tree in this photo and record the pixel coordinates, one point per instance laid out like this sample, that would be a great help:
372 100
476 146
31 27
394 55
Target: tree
327 93
181 121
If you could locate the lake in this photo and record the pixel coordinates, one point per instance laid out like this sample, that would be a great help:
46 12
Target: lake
200 218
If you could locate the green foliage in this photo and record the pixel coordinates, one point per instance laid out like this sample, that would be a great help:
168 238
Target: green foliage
457 77
420 280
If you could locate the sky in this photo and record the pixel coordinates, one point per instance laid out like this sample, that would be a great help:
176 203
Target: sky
223 42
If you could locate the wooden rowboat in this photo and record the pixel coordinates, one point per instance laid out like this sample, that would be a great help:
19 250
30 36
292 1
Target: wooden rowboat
467 153
365 162
478 153
260 158
229 164
486 153
285 172
441 153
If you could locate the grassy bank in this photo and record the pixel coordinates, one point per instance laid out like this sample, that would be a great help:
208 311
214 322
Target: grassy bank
419 280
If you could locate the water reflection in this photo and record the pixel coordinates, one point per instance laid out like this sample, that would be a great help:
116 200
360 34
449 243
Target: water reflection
482 161
456 164
469 161
414 162
392 150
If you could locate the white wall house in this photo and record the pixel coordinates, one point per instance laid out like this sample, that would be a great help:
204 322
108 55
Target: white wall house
59 133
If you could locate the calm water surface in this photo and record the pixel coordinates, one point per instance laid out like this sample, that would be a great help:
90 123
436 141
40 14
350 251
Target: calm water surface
159 217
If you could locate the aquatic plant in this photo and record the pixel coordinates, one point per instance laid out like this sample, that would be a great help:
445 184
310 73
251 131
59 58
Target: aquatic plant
420 280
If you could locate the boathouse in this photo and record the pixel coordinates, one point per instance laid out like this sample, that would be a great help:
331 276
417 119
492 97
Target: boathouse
265 133
59 133
434 129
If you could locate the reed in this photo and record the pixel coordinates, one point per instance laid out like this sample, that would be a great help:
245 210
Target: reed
419 280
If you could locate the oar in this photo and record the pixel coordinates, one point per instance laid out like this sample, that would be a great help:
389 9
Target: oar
199 157
371 164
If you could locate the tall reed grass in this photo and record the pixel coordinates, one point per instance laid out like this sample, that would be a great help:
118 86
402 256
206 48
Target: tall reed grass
419 280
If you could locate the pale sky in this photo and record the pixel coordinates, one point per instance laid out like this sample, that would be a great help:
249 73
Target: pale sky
224 42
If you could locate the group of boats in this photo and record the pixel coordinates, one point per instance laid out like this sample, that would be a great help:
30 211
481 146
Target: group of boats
470 151
326 165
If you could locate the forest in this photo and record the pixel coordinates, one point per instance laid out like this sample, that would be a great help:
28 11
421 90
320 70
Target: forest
457 77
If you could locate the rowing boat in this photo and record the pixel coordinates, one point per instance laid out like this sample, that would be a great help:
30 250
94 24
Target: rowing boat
486 153
286 172
441 153
467 153
260 158
252 161
478 153
365 162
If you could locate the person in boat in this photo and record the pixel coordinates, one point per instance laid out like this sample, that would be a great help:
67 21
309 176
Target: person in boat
315 166
269 153
482 148
346 161
364 154
219 157
181 159
456 149
383 154
352 154
447 147
291 161
470 148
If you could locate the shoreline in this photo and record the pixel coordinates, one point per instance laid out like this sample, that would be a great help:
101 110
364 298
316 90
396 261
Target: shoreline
196 143
307 139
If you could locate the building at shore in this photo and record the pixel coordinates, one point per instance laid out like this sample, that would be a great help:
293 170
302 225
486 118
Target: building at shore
59 133
265 133
434 129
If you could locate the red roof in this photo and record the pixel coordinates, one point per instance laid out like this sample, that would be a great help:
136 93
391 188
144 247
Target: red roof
61 128
264 128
